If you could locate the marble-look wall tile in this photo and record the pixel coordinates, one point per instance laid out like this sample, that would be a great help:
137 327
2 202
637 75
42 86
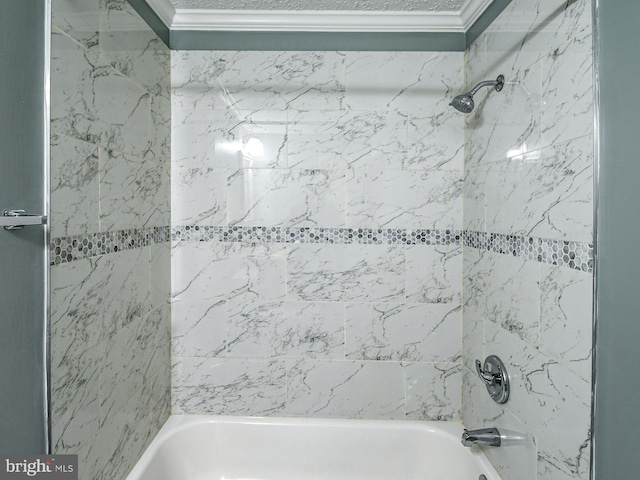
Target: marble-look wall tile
566 317
198 196
133 192
435 141
347 139
196 79
133 48
228 386
505 124
259 329
528 30
474 199
419 333
403 80
91 101
567 91
505 291
304 198
80 19
351 273
199 328
229 139
160 149
348 389
222 271
433 391
404 199
546 193
550 468
160 274
472 338
91 299
74 187
553 402
285 80
75 391
434 274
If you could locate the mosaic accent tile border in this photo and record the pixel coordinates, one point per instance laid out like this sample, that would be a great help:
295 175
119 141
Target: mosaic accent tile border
363 236
76 247
576 255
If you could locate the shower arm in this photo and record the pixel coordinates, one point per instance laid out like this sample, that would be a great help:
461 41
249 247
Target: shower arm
498 83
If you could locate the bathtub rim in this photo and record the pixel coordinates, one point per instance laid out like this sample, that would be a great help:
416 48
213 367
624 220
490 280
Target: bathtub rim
176 423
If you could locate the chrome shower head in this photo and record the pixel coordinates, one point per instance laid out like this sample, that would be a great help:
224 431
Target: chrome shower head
464 102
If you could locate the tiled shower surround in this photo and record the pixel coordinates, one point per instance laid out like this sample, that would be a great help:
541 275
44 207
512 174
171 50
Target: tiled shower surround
300 287
529 171
110 314
343 243
316 212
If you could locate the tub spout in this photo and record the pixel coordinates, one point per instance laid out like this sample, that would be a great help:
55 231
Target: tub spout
483 436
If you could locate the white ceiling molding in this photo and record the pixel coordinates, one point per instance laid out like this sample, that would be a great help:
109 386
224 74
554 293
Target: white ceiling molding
318 21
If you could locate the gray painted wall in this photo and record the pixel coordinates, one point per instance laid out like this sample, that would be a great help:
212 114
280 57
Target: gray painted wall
617 391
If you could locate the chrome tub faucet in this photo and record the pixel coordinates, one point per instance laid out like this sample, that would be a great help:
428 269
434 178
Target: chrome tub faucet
483 436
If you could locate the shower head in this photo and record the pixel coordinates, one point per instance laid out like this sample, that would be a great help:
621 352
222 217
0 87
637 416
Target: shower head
464 102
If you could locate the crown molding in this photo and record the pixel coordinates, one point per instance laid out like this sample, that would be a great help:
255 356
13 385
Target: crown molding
317 21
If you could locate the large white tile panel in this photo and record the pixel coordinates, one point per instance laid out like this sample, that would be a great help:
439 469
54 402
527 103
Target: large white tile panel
351 273
73 73
421 333
228 386
347 139
285 80
133 48
527 30
505 124
552 401
199 328
229 139
196 79
566 317
434 391
550 468
305 198
404 199
474 201
436 141
285 329
198 196
74 187
348 389
434 274
75 391
80 19
403 80
567 91
505 290
134 192
92 298
220 271
546 193
472 338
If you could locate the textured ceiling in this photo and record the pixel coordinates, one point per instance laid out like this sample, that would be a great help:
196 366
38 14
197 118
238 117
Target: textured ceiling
356 5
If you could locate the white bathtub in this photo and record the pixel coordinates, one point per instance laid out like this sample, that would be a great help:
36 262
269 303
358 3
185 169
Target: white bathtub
202 447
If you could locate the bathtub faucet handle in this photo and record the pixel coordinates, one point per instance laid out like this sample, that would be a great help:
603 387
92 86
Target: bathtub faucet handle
487 377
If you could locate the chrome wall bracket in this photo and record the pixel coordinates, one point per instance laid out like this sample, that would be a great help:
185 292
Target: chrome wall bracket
494 375
17 219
